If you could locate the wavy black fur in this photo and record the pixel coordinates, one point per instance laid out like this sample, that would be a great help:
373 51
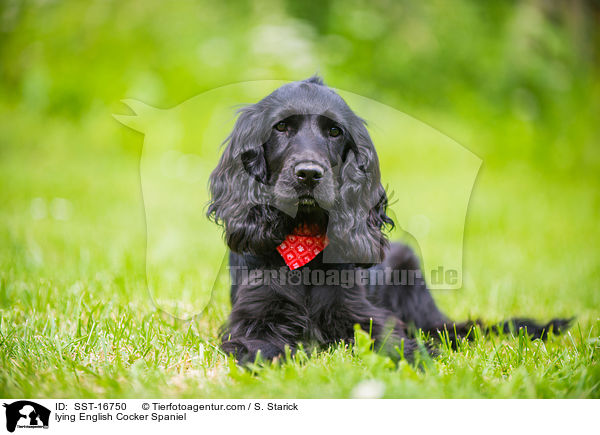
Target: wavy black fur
255 192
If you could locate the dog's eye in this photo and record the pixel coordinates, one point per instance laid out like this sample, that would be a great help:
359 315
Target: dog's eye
335 131
281 126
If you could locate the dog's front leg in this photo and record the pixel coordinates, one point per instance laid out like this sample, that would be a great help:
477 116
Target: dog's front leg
264 320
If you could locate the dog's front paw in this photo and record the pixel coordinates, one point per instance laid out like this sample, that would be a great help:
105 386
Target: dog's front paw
246 350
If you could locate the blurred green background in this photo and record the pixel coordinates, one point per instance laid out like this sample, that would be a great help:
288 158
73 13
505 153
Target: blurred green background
516 82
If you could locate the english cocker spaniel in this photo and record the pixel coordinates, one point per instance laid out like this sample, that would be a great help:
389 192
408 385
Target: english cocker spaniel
298 193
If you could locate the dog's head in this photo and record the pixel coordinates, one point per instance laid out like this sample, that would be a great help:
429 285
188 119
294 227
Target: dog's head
301 156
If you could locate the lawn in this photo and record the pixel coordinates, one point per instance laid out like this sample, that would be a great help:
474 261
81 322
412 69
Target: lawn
76 316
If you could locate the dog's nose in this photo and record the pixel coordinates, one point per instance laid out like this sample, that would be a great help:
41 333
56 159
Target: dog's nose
308 173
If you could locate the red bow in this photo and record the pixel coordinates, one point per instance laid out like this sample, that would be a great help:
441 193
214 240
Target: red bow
302 246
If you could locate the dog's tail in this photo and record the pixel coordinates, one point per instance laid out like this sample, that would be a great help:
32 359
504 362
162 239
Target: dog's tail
466 330
534 329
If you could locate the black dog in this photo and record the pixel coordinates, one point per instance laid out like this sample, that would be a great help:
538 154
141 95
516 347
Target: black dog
300 166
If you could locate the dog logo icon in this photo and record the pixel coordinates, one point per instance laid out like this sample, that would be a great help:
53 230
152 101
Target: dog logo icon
26 414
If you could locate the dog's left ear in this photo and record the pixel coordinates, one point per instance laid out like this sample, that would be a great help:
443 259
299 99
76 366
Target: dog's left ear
368 163
239 195
360 215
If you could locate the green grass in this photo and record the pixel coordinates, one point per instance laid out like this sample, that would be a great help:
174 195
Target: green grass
76 319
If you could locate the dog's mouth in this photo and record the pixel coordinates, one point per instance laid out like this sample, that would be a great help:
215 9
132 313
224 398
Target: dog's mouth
307 201
310 216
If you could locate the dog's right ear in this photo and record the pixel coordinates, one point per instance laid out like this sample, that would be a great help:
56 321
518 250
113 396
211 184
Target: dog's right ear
239 193
255 164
